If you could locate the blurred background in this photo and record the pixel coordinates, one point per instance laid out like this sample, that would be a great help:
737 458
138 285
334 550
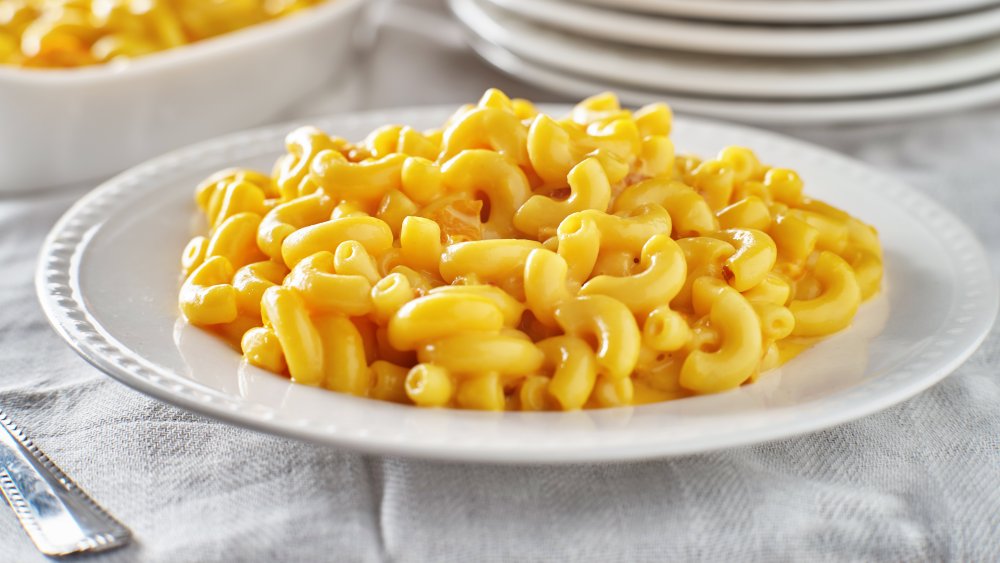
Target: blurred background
91 88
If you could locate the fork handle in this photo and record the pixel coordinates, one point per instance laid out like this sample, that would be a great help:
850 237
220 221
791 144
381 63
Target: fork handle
58 516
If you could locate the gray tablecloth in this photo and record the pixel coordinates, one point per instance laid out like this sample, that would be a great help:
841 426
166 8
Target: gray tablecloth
918 482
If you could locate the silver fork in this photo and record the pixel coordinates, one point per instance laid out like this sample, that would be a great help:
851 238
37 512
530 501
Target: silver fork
58 516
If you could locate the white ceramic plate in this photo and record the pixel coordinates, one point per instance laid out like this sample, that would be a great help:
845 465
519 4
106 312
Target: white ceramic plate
797 11
787 112
757 40
108 278
727 76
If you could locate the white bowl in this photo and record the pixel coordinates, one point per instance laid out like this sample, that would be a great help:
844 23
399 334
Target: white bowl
64 126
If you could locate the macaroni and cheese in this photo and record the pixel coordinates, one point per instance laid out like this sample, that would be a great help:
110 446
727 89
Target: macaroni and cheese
511 260
72 33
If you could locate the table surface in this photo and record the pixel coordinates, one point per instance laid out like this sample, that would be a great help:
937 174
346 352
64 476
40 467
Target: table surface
919 481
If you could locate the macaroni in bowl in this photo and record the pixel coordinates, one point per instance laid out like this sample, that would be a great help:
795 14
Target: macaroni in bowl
515 261
72 33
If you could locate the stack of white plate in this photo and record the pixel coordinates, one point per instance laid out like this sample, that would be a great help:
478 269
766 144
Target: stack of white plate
766 61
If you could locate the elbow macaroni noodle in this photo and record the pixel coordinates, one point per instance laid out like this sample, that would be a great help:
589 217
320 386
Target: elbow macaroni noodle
515 261
73 33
